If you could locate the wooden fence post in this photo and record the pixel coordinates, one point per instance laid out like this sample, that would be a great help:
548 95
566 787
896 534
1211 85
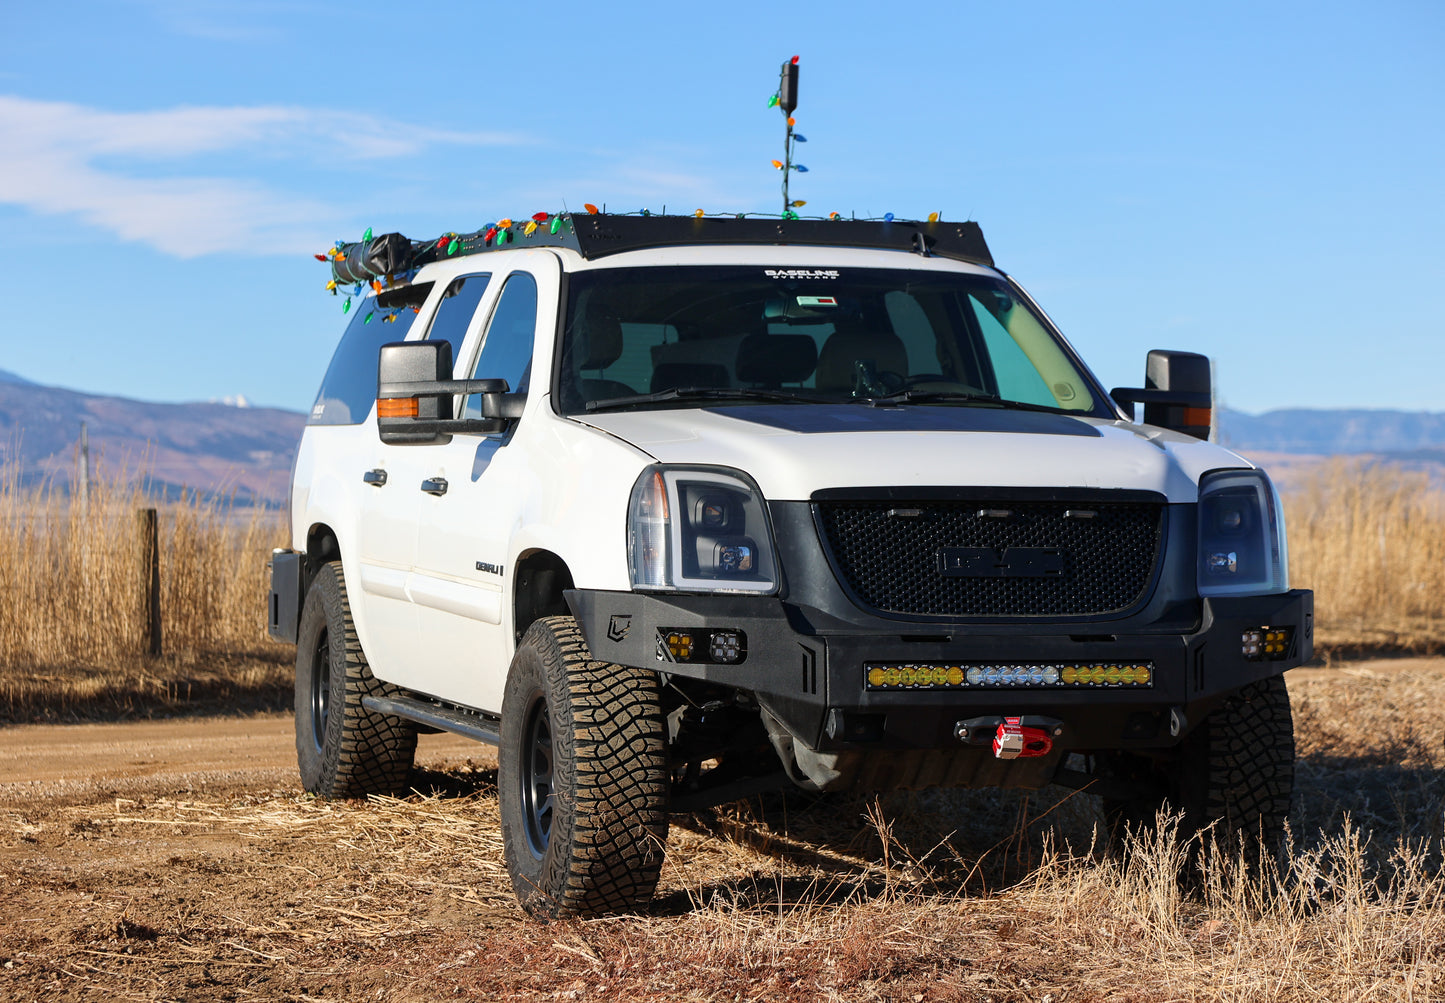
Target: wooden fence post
150 583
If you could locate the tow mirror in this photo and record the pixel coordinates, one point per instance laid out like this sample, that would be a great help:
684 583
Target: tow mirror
414 393
1178 393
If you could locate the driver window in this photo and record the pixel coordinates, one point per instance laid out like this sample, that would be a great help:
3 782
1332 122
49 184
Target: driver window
507 351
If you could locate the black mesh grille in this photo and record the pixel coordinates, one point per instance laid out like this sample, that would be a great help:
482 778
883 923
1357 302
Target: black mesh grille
889 554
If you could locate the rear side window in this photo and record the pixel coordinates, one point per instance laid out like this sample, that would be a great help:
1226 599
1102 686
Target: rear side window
454 313
349 386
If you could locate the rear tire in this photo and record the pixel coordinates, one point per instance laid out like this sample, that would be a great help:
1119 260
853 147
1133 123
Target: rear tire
1235 771
343 750
583 778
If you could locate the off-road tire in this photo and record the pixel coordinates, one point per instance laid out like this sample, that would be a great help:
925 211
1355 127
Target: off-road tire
343 749
1235 771
583 778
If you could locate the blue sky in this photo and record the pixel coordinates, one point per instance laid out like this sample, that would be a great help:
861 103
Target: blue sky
1262 182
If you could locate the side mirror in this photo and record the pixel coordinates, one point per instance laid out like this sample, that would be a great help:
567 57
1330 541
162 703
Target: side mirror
1178 393
414 392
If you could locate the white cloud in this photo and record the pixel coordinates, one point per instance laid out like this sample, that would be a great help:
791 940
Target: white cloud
65 159
218 20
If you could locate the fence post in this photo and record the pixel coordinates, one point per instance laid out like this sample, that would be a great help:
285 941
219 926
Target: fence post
150 583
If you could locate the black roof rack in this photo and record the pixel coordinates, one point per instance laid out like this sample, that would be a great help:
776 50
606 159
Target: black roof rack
596 235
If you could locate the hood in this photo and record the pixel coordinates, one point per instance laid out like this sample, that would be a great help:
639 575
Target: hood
792 451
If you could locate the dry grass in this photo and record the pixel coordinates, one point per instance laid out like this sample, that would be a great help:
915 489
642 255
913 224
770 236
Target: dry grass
72 594
1369 538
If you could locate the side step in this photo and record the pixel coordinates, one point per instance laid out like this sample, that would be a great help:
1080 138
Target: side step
464 723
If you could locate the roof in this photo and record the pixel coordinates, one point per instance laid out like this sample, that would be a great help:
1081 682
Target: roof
596 235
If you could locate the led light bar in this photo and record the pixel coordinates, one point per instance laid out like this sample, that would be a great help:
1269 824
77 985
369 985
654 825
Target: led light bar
1008 675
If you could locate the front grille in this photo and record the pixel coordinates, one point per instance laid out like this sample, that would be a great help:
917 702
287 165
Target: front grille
890 554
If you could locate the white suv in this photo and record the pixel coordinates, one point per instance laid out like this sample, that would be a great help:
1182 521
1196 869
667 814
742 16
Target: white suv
677 510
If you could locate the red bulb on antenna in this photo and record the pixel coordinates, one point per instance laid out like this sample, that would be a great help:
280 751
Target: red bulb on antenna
795 60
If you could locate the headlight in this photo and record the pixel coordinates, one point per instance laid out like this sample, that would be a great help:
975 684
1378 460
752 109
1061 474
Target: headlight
1241 535
699 530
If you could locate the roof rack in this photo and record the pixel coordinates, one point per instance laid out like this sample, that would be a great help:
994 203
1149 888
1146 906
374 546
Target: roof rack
596 235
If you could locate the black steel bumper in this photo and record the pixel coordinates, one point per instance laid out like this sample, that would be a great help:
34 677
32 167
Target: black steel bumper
808 668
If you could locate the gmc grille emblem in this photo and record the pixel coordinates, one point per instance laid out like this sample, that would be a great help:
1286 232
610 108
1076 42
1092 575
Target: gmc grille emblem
1010 562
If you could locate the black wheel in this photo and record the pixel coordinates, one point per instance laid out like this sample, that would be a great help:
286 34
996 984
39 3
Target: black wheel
583 777
1235 771
343 749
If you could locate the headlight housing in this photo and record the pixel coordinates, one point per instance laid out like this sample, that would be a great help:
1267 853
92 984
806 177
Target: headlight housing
1242 548
699 530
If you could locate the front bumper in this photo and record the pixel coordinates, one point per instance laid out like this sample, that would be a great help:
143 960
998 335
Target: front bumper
808 670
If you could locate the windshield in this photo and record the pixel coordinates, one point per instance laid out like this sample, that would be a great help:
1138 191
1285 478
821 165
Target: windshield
671 336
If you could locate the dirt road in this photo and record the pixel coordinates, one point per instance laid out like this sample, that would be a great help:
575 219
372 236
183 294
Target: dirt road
152 755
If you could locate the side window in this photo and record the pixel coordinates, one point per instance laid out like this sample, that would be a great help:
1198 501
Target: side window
507 349
454 313
349 386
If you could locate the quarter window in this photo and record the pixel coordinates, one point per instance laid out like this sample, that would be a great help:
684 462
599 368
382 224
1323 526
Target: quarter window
349 386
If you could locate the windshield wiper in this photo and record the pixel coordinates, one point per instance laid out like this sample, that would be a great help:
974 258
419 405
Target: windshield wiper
930 397
952 397
702 393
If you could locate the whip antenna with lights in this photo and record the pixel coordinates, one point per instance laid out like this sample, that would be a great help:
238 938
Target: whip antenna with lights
786 100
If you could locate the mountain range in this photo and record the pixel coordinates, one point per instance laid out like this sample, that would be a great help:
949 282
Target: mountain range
231 450
215 449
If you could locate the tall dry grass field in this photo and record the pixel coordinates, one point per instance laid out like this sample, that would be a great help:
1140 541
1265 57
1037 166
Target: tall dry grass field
1369 538
73 589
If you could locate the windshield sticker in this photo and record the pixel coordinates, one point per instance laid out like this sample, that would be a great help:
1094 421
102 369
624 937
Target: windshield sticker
817 301
801 273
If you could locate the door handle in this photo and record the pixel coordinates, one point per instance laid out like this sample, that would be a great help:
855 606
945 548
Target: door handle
376 478
435 485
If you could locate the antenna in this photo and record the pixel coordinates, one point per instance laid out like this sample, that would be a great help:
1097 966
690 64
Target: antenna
785 99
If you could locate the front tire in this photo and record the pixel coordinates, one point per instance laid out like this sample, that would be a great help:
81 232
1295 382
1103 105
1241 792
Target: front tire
1234 772
583 777
343 750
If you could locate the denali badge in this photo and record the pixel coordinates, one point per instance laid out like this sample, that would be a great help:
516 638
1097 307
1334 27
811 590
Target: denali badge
1010 562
